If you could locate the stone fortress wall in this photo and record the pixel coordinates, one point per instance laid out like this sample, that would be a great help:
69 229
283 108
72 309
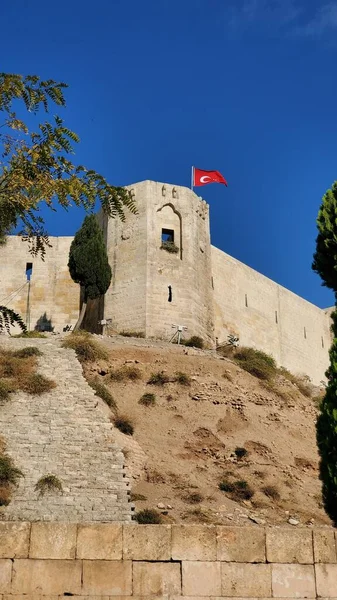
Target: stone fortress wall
173 562
212 294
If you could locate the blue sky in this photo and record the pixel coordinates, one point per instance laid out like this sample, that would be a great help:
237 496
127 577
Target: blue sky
247 87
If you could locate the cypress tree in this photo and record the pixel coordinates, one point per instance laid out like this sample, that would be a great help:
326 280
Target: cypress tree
88 263
325 264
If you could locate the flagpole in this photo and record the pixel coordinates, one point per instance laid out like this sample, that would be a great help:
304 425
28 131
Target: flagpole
192 178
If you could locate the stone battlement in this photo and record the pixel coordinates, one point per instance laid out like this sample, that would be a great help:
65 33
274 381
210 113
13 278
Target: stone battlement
110 561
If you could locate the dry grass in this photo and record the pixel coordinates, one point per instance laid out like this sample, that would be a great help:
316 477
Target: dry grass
48 483
125 374
193 498
137 497
159 378
102 392
135 334
17 372
86 348
272 492
29 334
37 384
198 515
194 342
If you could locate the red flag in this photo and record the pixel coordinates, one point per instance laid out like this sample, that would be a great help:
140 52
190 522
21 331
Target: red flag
204 177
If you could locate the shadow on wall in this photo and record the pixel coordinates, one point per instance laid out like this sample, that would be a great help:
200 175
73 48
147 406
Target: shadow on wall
44 324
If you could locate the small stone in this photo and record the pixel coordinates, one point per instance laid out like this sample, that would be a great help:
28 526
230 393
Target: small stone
169 507
257 520
161 506
292 521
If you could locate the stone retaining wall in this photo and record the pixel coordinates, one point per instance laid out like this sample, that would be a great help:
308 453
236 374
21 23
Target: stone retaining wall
109 561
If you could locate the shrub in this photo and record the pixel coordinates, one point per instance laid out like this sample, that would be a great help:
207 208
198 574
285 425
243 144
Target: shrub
147 516
170 247
147 400
271 491
8 473
124 373
135 334
87 350
238 490
37 384
182 378
240 452
195 342
193 498
124 424
256 362
48 483
27 352
199 515
159 378
102 392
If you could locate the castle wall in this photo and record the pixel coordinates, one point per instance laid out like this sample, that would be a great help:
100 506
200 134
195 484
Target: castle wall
143 271
267 316
54 297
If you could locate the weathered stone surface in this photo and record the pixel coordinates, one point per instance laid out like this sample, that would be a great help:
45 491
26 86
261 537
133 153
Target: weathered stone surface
14 540
293 581
324 546
201 578
53 540
107 577
5 575
326 580
46 576
102 541
246 580
285 545
68 434
193 542
241 544
156 578
147 542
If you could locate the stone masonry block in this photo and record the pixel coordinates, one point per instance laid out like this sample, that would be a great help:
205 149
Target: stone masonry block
156 578
201 578
246 580
14 540
5 575
241 544
326 580
103 577
101 542
324 546
147 542
287 545
293 581
53 540
46 577
193 542
34 597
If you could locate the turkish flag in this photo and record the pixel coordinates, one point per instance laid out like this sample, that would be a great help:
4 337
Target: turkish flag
204 177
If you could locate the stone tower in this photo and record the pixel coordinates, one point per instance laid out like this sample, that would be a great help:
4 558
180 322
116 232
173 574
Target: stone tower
151 288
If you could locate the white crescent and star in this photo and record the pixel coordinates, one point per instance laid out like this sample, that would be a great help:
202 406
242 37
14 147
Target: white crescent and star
205 179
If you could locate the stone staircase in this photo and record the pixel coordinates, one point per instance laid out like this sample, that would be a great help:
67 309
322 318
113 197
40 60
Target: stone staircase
67 433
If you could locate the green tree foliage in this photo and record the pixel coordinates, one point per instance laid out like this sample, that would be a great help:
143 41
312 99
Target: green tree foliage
325 264
35 163
88 262
325 257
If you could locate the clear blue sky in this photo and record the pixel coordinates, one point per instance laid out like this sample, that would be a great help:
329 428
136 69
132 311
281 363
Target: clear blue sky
247 87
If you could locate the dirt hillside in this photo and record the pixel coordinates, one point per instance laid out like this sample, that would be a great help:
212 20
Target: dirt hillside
192 438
